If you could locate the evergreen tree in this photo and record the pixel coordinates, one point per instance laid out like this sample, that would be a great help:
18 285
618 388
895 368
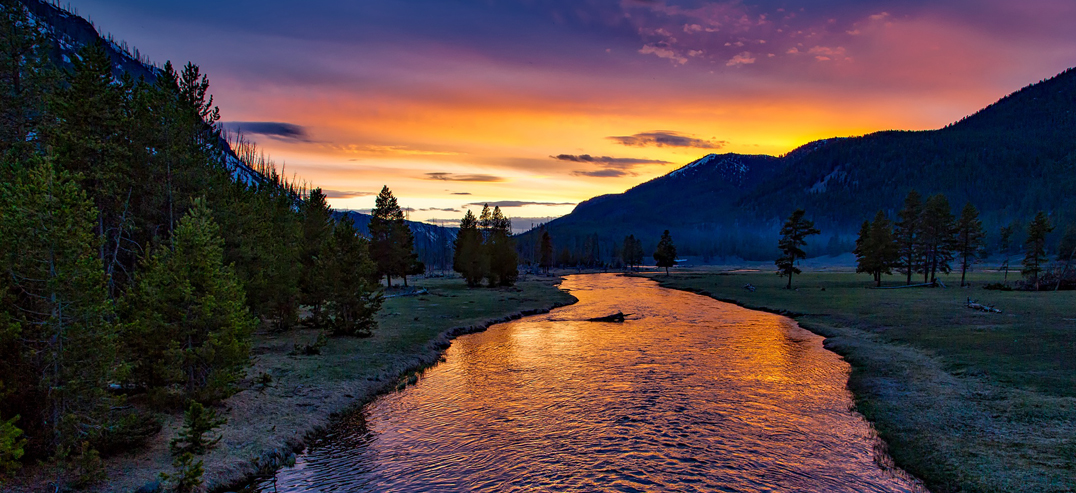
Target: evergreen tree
937 230
391 240
468 258
11 447
56 331
665 254
27 78
793 236
317 228
546 256
632 252
1035 248
189 323
908 232
501 249
969 238
876 249
354 294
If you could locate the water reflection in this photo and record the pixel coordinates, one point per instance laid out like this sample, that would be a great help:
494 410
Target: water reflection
689 394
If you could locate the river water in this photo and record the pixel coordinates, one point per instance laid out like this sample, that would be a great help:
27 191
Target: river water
689 394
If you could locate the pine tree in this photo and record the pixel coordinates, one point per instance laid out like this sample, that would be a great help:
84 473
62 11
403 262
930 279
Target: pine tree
876 249
56 311
937 232
189 323
665 254
970 238
469 259
793 236
501 249
317 227
908 232
391 240
354 293
1035 248
546 256
11 447
26 79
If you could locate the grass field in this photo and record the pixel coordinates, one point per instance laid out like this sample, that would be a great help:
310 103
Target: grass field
966 400
266 422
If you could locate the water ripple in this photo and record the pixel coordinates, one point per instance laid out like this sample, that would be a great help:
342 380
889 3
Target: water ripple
690 394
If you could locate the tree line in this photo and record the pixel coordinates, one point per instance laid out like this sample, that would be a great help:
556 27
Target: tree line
485 249
927 238
136 267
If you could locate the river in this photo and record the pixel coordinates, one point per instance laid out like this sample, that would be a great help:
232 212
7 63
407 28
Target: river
689 394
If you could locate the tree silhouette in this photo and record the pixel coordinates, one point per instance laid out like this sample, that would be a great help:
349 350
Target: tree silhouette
908 232
1035 248
969 238
876 249
665 254
793 236
546 252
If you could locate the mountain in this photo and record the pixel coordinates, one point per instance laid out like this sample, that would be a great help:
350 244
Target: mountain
1010 159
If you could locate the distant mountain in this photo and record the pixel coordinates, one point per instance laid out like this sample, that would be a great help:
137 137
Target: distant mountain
1011 159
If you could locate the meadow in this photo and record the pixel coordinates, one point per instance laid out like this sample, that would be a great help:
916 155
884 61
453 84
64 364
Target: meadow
965 400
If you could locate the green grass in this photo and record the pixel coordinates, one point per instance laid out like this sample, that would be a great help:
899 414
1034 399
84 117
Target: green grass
288 397
966 400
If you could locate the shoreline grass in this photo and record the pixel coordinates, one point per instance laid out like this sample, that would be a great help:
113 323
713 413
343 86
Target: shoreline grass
965 400
288 399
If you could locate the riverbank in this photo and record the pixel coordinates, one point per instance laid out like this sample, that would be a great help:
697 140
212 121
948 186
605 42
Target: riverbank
275 415
966 400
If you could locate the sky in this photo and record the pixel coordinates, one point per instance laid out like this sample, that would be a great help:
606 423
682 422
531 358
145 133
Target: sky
537 105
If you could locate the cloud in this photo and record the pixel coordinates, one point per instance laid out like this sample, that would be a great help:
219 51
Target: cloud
744 58
276 130
663 53
345 194
514 203
610 162
380 150
455 177
604 173
440 209
461 193
666 138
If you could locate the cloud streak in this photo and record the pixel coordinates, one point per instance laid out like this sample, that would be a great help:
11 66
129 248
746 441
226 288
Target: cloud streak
611 162
345 194
604 173
666 138
277 130
457 177
514 203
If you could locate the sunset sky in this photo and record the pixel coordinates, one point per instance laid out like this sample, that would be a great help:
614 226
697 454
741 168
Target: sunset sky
540 104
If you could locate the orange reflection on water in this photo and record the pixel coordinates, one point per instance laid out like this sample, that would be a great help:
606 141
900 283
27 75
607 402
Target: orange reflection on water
689 394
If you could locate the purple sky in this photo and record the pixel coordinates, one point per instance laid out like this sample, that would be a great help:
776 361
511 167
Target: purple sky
541 104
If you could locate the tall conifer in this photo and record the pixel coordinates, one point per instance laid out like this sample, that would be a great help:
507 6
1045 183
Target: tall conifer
1035 249
793 236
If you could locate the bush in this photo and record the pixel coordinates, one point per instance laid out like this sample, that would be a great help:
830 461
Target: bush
11 446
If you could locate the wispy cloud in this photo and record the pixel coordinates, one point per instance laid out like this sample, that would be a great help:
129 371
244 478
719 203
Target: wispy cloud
440 209
604 173
345 194
461 193
611 162
667 138
387 150
456 177
514 203
277 130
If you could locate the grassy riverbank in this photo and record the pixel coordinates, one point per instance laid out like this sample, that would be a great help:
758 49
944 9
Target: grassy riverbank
966 400
267 422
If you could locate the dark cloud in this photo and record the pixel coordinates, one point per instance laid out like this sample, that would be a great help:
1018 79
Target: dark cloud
276 130
461 193
345 194
455 177
667 138
440 209
514 203
604 173
609 162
